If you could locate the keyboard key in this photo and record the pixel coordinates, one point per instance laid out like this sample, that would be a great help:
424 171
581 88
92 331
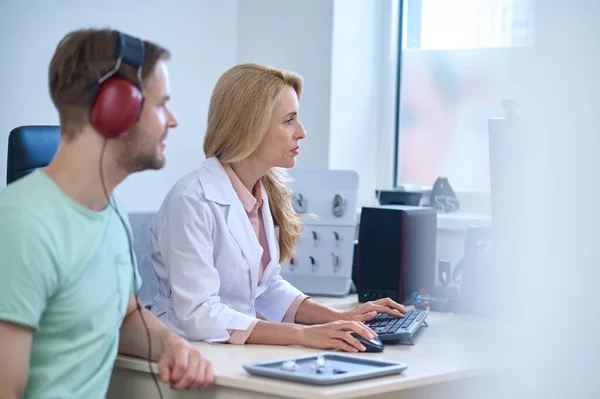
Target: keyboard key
389 329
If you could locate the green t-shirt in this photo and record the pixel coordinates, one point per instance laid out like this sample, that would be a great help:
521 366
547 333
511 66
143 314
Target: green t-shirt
65 271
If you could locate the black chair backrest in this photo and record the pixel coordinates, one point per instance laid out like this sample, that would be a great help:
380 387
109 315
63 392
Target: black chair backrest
30 148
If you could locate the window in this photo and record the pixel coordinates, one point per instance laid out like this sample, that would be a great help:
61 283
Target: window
459 59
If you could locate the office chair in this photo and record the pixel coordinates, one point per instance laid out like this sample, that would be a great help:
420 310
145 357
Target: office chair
30 148
142 246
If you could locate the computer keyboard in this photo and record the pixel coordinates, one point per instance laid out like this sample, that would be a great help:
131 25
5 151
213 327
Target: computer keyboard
390 328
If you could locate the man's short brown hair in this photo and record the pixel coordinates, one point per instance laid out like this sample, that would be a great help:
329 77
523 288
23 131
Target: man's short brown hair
81 58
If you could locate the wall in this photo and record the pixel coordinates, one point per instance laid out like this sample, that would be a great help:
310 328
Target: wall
294 35
362 94
201 35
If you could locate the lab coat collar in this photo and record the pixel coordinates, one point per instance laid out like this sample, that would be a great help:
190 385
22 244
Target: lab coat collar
215 183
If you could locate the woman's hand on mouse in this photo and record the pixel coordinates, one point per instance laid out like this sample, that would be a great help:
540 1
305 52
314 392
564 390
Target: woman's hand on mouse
336 335
368 311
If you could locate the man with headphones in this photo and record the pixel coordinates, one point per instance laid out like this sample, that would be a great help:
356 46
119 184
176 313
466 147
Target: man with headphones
68 277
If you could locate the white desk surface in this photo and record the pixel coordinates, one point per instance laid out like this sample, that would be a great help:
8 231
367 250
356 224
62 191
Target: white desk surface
449 349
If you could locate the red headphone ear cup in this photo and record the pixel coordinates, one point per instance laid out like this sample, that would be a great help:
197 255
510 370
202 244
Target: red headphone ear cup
116 108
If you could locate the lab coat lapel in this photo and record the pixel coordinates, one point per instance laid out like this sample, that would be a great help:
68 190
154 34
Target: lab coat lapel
241 229
272 237
218 188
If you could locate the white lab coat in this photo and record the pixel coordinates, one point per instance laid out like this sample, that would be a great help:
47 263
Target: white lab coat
206 256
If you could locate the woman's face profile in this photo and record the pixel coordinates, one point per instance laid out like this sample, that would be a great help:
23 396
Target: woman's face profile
281 143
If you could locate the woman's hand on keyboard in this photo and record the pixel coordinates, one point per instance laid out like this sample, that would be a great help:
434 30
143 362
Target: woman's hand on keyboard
336 335
368 311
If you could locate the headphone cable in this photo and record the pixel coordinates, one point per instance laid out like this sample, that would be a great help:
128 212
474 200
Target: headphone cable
131 257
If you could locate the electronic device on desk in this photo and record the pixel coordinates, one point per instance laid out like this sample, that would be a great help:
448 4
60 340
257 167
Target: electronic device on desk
441 298
401 329
371 345
409 195
322 263
396 252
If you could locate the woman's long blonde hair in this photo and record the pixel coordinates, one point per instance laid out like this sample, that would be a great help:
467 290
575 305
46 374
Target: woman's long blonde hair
239 114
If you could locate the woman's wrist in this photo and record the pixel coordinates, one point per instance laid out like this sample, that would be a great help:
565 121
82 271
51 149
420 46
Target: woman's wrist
335 315
272 333
298 334
312 312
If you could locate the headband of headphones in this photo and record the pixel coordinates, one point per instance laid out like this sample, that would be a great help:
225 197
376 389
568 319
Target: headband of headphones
131 50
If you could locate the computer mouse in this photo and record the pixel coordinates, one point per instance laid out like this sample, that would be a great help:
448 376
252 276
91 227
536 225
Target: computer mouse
372 345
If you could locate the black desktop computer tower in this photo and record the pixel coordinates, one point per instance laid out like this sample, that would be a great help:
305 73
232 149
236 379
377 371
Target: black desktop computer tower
395 255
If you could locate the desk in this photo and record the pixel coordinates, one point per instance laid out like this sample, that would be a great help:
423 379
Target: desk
446 357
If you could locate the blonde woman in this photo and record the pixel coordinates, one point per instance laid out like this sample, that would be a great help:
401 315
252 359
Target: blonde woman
224 228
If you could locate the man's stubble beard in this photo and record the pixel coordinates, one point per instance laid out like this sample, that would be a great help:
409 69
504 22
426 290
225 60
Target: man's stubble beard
139 154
